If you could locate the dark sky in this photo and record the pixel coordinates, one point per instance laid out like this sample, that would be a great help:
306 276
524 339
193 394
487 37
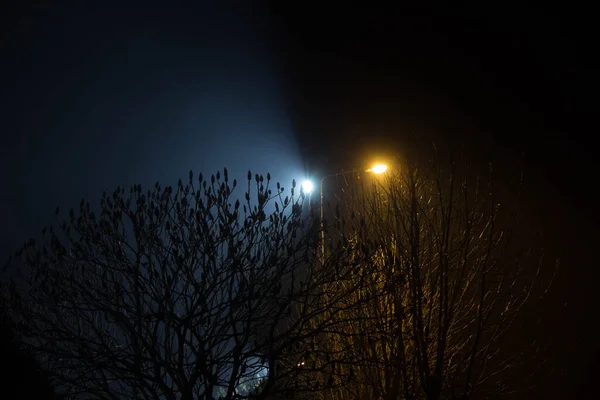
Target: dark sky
96 96
363 81
99 96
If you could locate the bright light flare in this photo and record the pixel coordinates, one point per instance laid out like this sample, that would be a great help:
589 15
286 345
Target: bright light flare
378 168
308 186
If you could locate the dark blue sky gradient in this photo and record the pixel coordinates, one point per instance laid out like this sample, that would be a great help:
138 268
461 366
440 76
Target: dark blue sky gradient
99 97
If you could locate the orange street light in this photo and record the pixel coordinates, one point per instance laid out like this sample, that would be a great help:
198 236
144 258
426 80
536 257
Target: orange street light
378 169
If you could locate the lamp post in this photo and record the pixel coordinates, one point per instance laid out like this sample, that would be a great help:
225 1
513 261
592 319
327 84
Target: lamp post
376 169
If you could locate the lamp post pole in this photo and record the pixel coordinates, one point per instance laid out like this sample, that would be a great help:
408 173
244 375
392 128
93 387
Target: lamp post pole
322 222
377 169
321 207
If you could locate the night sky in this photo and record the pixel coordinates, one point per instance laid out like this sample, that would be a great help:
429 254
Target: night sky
499 83
97 96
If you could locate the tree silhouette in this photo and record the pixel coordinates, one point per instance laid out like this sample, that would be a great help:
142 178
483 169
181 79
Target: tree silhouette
185 293
198 293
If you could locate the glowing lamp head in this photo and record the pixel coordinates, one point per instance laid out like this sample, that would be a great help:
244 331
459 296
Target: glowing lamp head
379 168
308 186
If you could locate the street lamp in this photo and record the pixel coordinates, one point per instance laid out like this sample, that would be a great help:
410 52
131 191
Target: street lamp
308 186
378 169
375 169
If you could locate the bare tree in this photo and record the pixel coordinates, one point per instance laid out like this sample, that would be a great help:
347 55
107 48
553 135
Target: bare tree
185 293
438 286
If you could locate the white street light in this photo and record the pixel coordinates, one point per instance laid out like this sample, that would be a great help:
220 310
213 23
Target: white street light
308 186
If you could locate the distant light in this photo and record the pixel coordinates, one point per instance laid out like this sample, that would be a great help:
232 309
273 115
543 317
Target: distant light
379 168
308 186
